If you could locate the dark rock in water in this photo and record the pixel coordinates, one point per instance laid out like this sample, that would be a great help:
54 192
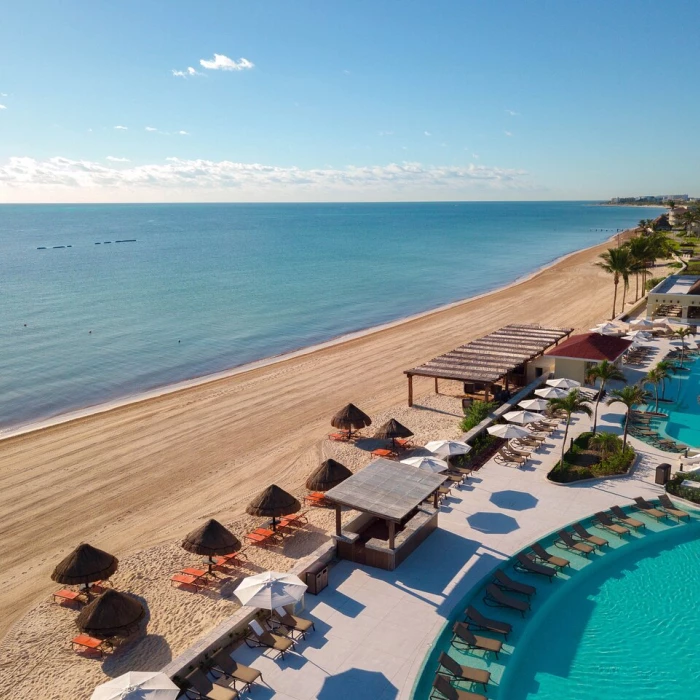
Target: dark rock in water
43 247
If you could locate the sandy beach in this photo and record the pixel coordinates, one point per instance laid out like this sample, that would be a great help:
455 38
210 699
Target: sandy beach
142 475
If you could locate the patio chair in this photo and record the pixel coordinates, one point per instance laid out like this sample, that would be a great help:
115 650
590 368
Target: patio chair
624 518
585 536
506 583
568 542
475 620
199 686
292 622
607 523
196 582
463 636
496 598
449 667
445 690
223 663
65 595
505 457
527 565
667 504
645 507
229 560
84 642
260 637
545 557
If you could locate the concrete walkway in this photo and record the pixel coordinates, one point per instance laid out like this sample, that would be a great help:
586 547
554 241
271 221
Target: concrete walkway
374 628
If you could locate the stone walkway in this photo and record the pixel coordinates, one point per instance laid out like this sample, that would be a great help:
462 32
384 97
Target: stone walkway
374 628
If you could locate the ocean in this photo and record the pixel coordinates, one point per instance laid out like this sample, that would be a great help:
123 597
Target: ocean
101 302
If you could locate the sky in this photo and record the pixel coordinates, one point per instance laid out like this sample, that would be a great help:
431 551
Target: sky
347 100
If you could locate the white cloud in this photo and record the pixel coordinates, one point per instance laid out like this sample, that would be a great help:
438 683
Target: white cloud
221 62
151 128
189 72
507 133
512 113
64 179
3 94
122 128
182 132
114 159
386 133
475 156
427 133
347 72
3 107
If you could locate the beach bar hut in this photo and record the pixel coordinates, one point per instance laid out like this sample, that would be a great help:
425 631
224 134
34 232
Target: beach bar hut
502 356
394 513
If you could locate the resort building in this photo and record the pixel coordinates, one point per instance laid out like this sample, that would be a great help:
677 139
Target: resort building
573 358
677 295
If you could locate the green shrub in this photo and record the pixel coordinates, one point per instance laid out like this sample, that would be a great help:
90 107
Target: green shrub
579 463
651 283
674 486
476 413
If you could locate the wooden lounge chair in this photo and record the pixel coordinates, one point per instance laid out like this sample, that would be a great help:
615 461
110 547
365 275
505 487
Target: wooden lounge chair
292 622
585 536
568 542
449 667
463 636
84 642
546 558
475 620
443 689
624 518
505 457
223 663
607 523
506 583
496 598
199 686
645 507
667 504
260 637
527 565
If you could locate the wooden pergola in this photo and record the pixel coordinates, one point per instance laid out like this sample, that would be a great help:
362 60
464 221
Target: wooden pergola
489 359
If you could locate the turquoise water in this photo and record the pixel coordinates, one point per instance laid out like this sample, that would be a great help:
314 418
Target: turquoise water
683 423
207 287
621 623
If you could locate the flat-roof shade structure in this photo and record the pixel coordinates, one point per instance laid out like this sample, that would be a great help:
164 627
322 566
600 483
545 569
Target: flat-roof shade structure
488 359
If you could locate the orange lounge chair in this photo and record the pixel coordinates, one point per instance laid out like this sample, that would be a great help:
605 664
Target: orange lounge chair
67 596
197 582
339 437
85 642
228 560
316 499
382 452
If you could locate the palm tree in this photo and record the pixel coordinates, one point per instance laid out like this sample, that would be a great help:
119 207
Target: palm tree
573 402
631 396
653 377
617 262
605 443
663 367
605 372
682 333
639 250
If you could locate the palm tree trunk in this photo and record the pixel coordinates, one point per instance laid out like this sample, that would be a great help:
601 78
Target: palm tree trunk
636 286
595 413
656 394
566 432
624 437
614 300
624 295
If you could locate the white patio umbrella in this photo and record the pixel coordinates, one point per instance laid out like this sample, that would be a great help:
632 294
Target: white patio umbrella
137 685
448 448
606 329
550 392
534 404
270 590
641 323
508 431
522 417
637 335
427 464
563 383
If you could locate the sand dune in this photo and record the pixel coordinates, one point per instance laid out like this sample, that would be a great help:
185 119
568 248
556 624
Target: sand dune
144 474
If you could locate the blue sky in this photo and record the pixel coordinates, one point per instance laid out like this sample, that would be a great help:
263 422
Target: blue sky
347 100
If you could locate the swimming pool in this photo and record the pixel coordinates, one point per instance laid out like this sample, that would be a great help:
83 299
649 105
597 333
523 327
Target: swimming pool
623 623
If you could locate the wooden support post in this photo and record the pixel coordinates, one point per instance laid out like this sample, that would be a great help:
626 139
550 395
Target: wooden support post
436 386
410 390
486 392
392 533
338 520
435 499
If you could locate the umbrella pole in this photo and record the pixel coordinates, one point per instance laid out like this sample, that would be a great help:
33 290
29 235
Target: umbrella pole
274 524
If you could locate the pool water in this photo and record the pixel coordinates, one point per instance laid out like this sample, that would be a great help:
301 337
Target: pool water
683 423
622 623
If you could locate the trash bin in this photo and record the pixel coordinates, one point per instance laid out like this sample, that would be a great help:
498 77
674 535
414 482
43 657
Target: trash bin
316 578
663 473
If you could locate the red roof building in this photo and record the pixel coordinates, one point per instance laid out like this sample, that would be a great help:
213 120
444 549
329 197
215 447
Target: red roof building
592 347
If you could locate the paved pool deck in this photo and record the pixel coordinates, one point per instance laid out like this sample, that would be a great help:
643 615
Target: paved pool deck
374 628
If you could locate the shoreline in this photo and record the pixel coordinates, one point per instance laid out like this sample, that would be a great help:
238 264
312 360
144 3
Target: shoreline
77 414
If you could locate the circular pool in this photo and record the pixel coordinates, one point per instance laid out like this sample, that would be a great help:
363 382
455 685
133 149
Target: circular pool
626 626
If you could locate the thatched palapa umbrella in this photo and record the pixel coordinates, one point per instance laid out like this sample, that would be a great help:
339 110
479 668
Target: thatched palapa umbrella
391 430
113 614
329 474
85 565
274 503
211 539
350 417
